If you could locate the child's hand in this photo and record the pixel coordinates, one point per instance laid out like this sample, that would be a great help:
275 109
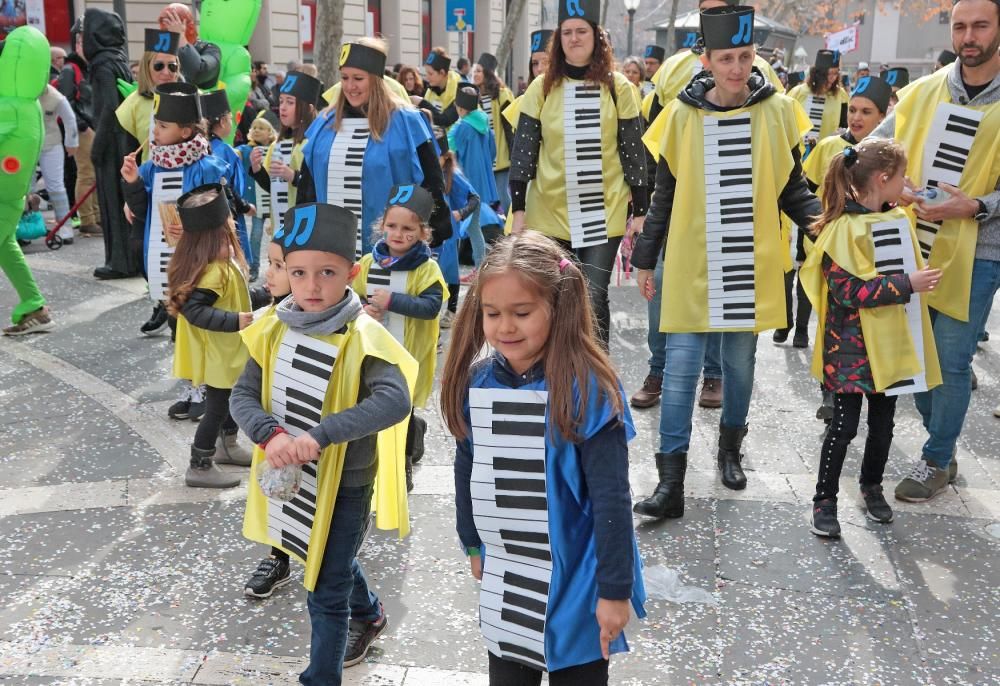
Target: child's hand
282 170
924 279
246 319
277 453
644 279
476 566
305 449
174 232
373 312
129 215
130 170
380 298
457 215
256 157
612 616
252 212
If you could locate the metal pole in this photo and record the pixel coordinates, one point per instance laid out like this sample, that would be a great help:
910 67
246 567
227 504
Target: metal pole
631 18
119 8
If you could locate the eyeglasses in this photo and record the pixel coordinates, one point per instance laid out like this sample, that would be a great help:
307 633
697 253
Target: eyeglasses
172 66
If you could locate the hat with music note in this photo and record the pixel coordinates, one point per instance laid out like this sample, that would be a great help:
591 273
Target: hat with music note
827 59
215 105
540 40
437 61
588 10
204 216
875 89
414 198
158 40
654 52
363 57
178 103
727 27
319 226
467 98
301 86
897 77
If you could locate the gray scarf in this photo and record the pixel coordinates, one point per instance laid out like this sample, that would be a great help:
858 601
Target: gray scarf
322 323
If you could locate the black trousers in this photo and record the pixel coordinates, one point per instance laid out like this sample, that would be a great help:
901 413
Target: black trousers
597 263
508 673
215 419
843 429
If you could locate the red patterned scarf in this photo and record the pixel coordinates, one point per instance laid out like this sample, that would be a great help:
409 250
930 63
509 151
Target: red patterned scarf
180 154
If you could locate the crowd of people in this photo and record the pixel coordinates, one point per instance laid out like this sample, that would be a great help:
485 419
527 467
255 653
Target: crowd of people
697 168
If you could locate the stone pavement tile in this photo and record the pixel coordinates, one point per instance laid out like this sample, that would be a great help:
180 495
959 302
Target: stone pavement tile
783 636
684 544
63 497
769 545
103 662
948 567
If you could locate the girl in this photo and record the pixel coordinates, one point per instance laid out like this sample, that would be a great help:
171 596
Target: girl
584 208
277 170
823 97
473 143
874 338
495 97
539 60
411 81
402 287
209 297
541 422
442 86
263 132
219 118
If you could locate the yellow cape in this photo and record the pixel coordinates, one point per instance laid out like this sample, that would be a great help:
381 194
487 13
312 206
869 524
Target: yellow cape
831 108
889 343
818 162
213 357
503 156
364 337
134 115
448 96
777 124
955 246
420 336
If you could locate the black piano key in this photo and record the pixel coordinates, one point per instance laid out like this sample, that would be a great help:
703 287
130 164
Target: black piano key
294 544
303 366
525 536
526 582
543 554
518 464
514 649
522 502
510 428
524 602
298 423
297 516
524 485
522 620
311 400
739 306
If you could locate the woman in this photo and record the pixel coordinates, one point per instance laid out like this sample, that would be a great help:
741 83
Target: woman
105 49
495 97
159 65
410 78
558 185
391 139
539 61
635 72
442 85
823 97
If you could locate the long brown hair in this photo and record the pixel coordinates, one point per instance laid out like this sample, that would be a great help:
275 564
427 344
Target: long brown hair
196 251
576 356
418 81
305 112
448 166
817 82
850 173
602 62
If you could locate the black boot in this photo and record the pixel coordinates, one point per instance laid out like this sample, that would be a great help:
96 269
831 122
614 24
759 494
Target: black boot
803 308
781 335
730 457
415 438
668 497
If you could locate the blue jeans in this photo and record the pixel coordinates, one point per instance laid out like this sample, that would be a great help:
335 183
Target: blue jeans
684 359
943 408
502 179
342 591
657 340
475 232
256 235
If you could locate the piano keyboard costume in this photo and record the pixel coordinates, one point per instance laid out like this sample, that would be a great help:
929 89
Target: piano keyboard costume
958 145
898 338
533 514
503 131
282 193
823 110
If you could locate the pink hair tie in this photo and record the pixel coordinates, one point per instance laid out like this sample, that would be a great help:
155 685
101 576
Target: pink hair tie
563 263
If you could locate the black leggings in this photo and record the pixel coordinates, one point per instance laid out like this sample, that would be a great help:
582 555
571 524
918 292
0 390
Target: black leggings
507 673
843 428
597 263
454 290
215 419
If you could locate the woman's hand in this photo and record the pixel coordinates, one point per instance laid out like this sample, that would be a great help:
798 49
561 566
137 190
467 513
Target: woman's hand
647 286
517 226
277 453
281 170
612 616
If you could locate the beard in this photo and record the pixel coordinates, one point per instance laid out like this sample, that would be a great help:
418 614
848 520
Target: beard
984 56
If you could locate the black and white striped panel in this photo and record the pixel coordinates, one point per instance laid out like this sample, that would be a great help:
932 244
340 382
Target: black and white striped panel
588 224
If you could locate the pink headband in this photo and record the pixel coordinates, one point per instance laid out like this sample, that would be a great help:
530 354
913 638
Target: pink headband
563 263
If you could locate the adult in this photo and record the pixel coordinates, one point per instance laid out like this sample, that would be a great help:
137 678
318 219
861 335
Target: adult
200 60
960 235
463 67
55 148
862 71
57 58
261 94
635 71
763 176
823 97
898 78
392 139
74 84
538 62
105 49
410 78
652 59
495 97
558 185
159 65
944 58
442 85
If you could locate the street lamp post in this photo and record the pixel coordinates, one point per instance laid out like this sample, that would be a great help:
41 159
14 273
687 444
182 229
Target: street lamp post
631 6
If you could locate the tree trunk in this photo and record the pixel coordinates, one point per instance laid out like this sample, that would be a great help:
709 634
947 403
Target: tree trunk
672 34
604 12
328 38
505 47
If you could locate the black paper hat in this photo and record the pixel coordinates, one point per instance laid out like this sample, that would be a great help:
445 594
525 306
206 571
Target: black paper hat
897 77
655 52
438 61
588 10
363 57
206 217
160 40
875 89
414 198
467 98
488 62
178 103
270 117
215 105
795 78
540 40
946 57
319 226
827 59
301 87
727 27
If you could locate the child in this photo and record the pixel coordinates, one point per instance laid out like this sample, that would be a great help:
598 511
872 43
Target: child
402 287
874 340
522 478
474 145
263 132
277 170
327 388
209 297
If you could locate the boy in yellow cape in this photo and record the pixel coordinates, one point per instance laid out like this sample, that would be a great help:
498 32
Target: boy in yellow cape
329 389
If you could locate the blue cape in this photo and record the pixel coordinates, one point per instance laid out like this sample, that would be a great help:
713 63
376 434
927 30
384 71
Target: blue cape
476 152
235 180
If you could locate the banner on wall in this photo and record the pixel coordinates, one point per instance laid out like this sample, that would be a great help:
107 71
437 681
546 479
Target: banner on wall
843 41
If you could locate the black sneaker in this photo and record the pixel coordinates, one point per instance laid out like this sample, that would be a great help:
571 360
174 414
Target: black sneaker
780 335
824 519
157 321
876 508
360 636
271 573
180 410
800 339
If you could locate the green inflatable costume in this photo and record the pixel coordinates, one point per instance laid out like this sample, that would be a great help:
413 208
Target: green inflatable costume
24 71
229 24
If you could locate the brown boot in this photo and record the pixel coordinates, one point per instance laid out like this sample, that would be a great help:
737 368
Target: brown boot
711 393
649 394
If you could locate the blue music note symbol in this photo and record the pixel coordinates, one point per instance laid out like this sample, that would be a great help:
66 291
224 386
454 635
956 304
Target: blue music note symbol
862 84
573 8
690 39
536 43
162 43
289 83
304 219
403 194
745 33
891 76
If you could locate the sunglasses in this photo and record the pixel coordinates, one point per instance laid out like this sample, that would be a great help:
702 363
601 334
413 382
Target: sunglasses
172 66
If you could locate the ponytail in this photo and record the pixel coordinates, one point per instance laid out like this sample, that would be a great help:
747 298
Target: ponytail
836 188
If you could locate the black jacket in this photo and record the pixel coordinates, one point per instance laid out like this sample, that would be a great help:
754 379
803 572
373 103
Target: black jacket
74 84
200 64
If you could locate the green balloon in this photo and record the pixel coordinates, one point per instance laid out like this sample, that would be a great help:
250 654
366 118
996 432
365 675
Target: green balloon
229 24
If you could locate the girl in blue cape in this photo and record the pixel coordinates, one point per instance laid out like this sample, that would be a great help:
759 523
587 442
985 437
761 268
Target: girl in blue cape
475 146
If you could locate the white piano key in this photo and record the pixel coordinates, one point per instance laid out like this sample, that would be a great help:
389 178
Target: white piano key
279 187
344 170
394 282
168 186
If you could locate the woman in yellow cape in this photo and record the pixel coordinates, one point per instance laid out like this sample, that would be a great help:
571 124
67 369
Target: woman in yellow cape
823 97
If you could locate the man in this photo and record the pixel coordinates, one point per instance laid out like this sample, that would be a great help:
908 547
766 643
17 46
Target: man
863 71
200 60
653 58
260 94
463 67
57 58
961 234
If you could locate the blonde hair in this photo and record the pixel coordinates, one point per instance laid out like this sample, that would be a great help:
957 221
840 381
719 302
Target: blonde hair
378 226
381 101
144 78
